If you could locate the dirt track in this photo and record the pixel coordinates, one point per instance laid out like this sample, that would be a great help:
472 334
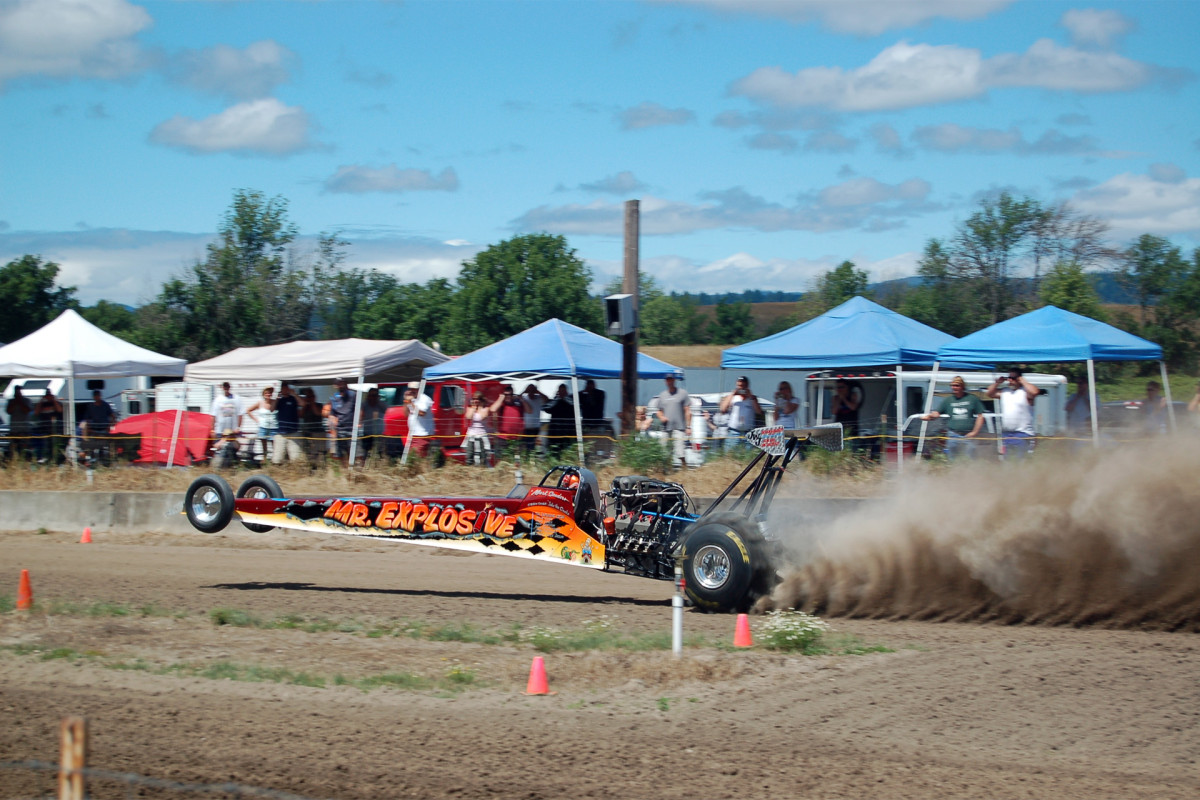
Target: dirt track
957 710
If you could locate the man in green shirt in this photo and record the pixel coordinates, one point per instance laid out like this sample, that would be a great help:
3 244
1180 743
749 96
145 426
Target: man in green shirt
965 418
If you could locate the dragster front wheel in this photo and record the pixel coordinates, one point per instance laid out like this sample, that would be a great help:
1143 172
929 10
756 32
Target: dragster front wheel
259 486
209 503
720 560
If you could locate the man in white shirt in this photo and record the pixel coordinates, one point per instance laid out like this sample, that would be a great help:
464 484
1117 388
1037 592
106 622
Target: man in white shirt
743 409
1016 395
227 411
420 418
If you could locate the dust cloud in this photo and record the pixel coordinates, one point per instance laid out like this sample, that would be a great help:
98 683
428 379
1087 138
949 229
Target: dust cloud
1108 539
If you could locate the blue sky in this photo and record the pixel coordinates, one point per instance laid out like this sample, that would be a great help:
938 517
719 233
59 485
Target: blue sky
767 140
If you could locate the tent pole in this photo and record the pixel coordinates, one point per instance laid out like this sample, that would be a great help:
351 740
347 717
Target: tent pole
820 399
72 447
1162 368
358 396
900 417
1091 366
174 437
928 408
578 419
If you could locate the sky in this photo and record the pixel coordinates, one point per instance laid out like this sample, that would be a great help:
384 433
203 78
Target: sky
766 141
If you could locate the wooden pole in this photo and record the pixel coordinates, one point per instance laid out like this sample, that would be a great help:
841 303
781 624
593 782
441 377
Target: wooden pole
71 784
629 342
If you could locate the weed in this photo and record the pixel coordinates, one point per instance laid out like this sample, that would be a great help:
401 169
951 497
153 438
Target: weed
234 617
663 703
793 632
644 456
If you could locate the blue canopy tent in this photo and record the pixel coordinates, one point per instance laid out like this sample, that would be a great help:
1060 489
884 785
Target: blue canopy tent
553 349
1051 334
858 333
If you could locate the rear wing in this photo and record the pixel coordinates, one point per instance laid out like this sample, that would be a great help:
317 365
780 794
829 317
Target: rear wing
773 440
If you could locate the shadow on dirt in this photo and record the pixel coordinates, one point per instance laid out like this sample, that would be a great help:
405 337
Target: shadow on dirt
253 586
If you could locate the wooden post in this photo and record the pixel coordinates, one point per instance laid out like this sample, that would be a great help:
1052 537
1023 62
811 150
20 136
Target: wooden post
629 342
71 784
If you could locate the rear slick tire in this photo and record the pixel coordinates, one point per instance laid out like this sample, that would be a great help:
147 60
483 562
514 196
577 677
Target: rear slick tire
720 562
209 503
259 486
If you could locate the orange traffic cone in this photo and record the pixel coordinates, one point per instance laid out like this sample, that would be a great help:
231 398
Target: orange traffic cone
741 634
87 536
537 678
24 591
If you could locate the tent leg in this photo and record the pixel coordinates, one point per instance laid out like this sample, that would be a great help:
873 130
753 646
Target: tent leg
174 438
900 417
928 408
72 449
578 419
1091 368
358 396
1162 368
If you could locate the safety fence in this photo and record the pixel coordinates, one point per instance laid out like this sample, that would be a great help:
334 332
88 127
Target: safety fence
77 781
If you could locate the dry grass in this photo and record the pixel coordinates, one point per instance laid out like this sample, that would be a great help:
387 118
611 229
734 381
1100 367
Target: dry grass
452 480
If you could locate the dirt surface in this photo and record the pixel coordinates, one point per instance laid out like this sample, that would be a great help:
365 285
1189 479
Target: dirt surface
955 710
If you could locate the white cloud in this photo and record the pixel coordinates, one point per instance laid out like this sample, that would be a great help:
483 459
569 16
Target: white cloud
130 266
860 203
861 17
266 127
653 115
887 139
358 179
1090 26
70 39
623 183
907 75
1162 203
240 74
951 138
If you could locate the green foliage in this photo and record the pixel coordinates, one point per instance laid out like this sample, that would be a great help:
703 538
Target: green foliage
408 311
841 284
1167 287
668 319
733 324
1071 289
516 284
112 317
30 297
644 455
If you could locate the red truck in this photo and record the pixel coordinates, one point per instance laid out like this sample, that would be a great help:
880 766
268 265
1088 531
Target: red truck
450 399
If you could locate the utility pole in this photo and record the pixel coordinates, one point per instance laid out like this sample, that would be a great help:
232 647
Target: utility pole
629 341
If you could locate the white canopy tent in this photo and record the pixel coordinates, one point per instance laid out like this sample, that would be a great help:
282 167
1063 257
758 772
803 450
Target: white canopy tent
373 360
71 347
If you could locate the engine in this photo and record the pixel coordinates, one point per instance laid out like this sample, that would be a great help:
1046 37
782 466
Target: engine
644 520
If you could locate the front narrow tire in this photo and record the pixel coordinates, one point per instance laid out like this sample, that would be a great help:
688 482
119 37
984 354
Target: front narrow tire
209 503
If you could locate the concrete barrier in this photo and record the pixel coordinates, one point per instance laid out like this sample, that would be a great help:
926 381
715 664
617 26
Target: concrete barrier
102 511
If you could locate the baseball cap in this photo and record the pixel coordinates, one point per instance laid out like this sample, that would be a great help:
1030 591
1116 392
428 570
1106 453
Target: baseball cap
414 384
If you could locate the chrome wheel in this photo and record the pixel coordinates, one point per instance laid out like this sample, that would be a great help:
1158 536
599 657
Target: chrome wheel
206 505
711 567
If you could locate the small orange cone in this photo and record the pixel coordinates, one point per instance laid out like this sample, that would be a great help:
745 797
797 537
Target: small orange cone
537 678
87 536
741 634
25 591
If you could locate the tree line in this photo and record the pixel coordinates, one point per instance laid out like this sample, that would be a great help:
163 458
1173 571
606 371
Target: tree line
255 286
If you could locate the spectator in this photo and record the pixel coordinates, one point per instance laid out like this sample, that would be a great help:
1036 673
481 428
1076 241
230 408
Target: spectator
1016 395
965 412
786 406
477 443
19 412
1194 406
642 421
227 411
420 419
535 401
225 451
287 442
562 420
266 416
509 411
675 413
98 418
1079 410
339 411
743 409
47 415
591 405
1154 409
371 422
844 407
312 424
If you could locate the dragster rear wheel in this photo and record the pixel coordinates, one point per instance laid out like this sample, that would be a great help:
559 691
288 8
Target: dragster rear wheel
209 503
722 561
259 486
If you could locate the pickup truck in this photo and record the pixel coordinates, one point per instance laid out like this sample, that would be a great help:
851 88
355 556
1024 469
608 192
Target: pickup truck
450 399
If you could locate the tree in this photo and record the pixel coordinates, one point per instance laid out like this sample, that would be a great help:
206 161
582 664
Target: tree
841 284
112 317
1167 287
408 311
733 324
246 292
29 296
943 300
516 284
1071 289
667 319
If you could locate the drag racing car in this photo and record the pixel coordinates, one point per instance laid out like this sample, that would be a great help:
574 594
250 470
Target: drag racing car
640 526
